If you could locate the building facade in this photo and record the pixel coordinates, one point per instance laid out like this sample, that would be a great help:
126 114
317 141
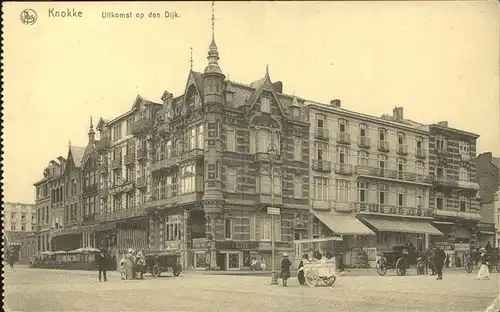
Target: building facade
68 235
454 196
488 175
374 169
19 217
496 211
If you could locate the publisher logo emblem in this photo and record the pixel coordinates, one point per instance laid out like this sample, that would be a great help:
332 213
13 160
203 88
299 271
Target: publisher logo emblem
28 17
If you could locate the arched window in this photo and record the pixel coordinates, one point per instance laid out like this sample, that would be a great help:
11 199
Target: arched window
263 139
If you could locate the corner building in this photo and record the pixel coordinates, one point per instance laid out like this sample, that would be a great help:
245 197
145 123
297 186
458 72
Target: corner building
369 180
212 173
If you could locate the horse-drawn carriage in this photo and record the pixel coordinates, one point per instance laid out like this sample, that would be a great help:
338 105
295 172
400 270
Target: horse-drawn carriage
162 261
493 260
316 270
400 259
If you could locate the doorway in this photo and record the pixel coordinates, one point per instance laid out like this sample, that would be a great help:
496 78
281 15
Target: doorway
221 261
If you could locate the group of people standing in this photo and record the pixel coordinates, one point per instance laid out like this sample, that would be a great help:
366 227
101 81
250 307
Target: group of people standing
132 265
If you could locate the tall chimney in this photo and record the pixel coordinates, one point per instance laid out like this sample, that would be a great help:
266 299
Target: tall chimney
278 87
335 103
443 123
397 113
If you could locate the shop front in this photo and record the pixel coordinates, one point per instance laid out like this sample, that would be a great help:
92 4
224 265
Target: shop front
396 231
354 233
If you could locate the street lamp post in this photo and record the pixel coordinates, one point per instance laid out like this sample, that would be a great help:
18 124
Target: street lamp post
271 153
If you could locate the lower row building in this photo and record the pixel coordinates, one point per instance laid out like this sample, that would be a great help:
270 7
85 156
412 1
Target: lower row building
220 170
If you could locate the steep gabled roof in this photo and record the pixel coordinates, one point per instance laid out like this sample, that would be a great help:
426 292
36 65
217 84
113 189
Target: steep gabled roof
260 85
102 122
77 153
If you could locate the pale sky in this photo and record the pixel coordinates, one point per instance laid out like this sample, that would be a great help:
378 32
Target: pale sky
440 61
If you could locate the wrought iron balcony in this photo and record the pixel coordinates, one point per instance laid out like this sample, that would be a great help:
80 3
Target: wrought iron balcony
402 149
383 145
90 188
165 163
442 151
141 125
322 166
142 153
322 133
129 159
420 153
344 169
385 209
470 185
444 181
117 162
364 142
343 137
375 172
194 153
465 157
103 144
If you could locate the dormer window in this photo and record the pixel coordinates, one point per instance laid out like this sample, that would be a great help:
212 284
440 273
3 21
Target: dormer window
295 112
265 105
229 98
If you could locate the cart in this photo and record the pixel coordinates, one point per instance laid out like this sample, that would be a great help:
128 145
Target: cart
400 259
316 270
163 261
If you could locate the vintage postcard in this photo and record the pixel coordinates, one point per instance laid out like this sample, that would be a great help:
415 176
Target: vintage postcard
251 156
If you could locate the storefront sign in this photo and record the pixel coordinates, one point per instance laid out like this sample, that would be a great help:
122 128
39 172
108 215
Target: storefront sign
236 245
273 211
462 247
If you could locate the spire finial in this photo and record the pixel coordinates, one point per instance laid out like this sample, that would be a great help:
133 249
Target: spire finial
69 142
213 20
91 124
191 59
267 69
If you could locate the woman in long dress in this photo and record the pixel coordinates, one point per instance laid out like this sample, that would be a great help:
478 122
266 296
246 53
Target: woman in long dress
129 265
484 271
300 274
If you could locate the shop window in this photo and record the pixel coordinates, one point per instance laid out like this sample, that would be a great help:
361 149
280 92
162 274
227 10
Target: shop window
200 260
233 261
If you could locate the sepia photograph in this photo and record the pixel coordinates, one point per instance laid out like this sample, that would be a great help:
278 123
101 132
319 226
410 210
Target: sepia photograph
251 156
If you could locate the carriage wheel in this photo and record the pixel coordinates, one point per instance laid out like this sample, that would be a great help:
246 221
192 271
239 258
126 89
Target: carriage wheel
311 278
401 267
330 280
420 267
176 271
468 267
381 267
155 271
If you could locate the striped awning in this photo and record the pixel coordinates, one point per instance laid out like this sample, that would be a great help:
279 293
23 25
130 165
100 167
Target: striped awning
404 226
343 224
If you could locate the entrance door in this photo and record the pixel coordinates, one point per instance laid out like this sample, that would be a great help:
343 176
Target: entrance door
221 261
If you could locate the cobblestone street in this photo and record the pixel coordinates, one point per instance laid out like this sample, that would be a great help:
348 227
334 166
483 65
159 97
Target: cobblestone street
53 290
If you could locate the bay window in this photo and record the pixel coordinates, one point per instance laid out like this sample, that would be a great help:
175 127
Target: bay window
188 179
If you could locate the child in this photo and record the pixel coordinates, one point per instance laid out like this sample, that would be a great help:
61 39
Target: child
122 268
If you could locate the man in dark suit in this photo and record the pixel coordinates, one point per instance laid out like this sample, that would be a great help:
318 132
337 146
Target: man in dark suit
101 261
439 258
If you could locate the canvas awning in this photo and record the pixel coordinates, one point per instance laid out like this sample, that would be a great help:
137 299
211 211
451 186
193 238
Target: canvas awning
404 226
487 232
343 224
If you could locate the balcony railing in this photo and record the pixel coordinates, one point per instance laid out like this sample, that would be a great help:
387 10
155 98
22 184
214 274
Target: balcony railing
465 157
142 153
393 210
420 153
364 142
194 153
322 133
344 206
90 188
164 163
402 149
267 199
121 214
444 181
129 159
471 185
441 151
467 215
117 162
322 165
375 172
344 169
141 182
343 137
103 144
383 145
141 125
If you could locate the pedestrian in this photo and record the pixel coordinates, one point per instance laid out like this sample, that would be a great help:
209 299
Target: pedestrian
431 261
254 264
300 273
285 269
101 259
129 264
439 259
484 271
488 246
